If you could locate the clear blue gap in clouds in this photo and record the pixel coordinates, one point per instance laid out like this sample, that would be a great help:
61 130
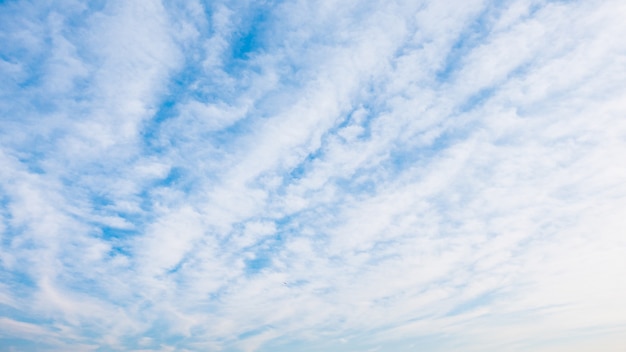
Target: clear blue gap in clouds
265 251
481 301
252 34
300 170
476 32
369 107
254 332
195 84
21 92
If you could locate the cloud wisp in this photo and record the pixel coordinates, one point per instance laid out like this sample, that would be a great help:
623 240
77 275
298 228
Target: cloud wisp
339 175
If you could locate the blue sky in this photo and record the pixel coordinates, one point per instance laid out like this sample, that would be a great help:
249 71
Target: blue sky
312 176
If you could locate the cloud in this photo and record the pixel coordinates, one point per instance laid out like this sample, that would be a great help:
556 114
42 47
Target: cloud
357 175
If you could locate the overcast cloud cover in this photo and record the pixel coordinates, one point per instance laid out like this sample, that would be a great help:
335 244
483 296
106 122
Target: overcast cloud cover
331 175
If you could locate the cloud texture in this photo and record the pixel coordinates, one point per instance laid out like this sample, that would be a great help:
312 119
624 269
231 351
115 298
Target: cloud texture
313 176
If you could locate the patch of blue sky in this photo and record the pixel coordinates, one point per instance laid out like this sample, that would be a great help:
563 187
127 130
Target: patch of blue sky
368 111
31 60
260 262
163 133
179 90
150 340
482 96
264 252
176 269
14 16
299 171
308 163
18 314
383 250
133 345
229 137
365 182
117 235
97 5
287 224
11 230
110 233
260 32
277 100
34 158
10 344
161 334
76 19
473 35
173 178
105 204
5 213
100 201
18 240
26 105
119 249
152 142
250 37
194 83
20 282
303 222
477 99
146 202
188 83
254 332
254 32
303 167
473 304
15 76
403 158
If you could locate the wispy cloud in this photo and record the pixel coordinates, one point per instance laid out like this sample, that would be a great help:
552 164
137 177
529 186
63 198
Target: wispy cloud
339 175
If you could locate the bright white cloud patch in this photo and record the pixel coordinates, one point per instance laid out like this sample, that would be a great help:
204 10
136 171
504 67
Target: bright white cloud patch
313 176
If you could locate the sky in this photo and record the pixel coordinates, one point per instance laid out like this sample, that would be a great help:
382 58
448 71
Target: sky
331 175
